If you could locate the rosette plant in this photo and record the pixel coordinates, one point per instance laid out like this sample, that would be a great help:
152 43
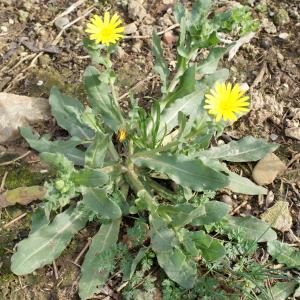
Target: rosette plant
157 166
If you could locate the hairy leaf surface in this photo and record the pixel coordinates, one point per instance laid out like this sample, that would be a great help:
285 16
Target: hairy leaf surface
99 260
47 243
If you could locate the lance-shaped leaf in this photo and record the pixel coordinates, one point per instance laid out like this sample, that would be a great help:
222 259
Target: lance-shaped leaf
160 66
179 268
187 105
101 100
285 254
57 161
47 243
246 149
282 290
209 80
211 249
95 154
214 212
251 228
163 238
97 200
210 64
67 112
99 260
90 178
187 172
68 147
237 183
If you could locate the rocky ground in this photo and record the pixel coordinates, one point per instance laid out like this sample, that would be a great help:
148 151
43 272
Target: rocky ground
40 46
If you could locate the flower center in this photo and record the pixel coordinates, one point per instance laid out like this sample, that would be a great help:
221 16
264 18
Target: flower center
106 32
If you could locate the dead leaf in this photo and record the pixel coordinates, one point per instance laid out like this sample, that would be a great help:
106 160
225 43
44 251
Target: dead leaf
22 195
243 40
278 216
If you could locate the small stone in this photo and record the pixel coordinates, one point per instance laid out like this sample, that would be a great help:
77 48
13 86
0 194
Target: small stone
281 17
273 137
169 38
136 10
137 46
280 56
130 28
283 35
20 111
60 23
267 169
40 83
120 52
4 28
268 26
293 133
278 216
269 199
227 199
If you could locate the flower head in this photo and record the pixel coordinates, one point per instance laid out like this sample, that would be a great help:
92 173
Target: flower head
225 101
122 135
105 31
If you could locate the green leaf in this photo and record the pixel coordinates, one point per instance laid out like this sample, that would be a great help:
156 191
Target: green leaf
68 148
89 178
282 290
185 87
160 66
179 268
47 243
38 219
94 51
99 260
246 149
209 80
187 105
210 64
136 261
211 248
95 154
214 212
180 215
97 200
250 228
242 185
285 254
162 238
57 161
237 184
190 173
100 99
67 112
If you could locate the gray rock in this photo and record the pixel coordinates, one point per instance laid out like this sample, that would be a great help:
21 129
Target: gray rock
267 169
61 22
281 17
19 111
227 199
130 28
293 133
268 26
136 10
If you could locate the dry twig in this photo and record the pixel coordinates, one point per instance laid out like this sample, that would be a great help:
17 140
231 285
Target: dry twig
15 220
15 159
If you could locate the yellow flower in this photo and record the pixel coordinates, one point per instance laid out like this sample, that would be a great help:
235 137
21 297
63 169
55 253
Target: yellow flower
225 101
105 31
122 135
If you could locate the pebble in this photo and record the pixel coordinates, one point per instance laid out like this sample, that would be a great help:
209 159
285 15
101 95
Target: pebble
273 137
227 199
293 133
268 26
169 38
136 10
137 46
267 169
130 28
283 35
20 111
4 28
61 22
281 17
